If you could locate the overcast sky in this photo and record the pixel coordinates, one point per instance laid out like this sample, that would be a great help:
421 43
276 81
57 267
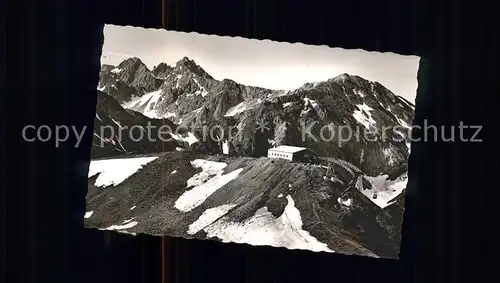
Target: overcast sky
269 64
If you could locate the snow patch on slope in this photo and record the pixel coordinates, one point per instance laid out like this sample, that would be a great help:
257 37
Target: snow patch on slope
170 115
312 105
209 216
147 102
127 225
364 116
205 183
242 107
202 91
236 110
88 214
198 110
189 137
359 92
390 156
403 123
385 190
115 171
346 202
311 102
263 229
225 147
178 80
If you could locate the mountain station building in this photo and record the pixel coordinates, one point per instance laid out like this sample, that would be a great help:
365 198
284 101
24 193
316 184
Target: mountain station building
292 153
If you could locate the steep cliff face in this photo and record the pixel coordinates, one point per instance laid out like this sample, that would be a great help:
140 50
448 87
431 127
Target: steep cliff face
118 131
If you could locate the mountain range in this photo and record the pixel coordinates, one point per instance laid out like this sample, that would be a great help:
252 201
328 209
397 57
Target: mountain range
187 95
342 210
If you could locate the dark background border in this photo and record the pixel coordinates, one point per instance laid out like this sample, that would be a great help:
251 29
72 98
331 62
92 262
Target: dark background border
53 66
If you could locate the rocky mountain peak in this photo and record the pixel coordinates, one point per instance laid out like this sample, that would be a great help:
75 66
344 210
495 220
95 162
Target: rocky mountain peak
162 70
162 66
130 78
187 64
342 77
131 63
186 60
346 78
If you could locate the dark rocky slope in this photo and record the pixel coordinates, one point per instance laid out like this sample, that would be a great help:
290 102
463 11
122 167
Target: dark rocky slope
332 208
118 131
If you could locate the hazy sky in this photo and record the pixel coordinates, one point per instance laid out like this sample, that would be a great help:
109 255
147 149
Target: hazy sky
269 64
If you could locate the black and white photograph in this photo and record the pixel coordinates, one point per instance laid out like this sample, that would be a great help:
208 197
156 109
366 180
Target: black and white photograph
251 141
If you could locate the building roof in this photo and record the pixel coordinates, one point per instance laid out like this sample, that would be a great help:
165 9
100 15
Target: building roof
287 149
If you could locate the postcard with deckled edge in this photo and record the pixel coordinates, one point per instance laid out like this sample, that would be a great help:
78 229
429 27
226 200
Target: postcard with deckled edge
251 141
